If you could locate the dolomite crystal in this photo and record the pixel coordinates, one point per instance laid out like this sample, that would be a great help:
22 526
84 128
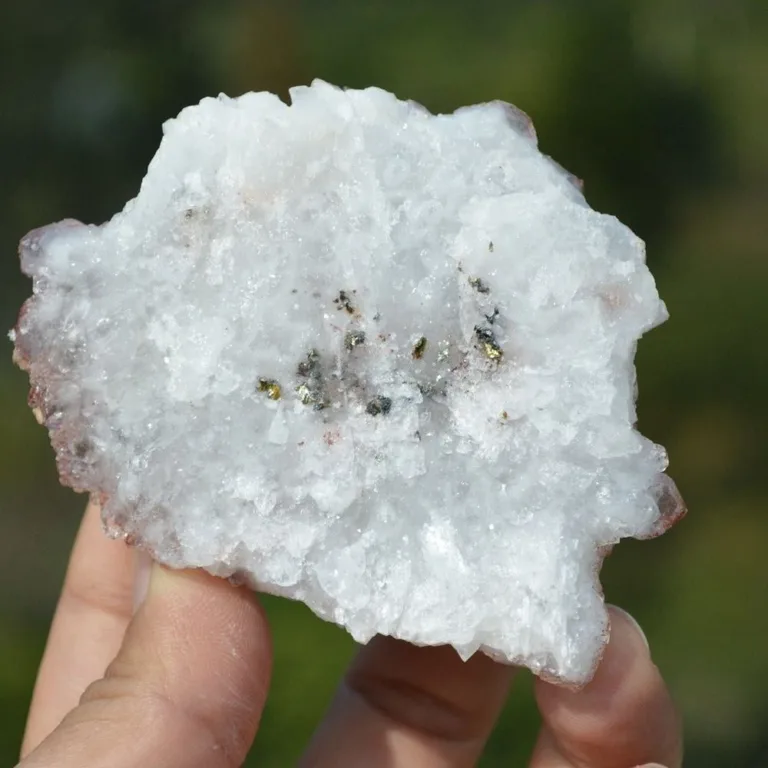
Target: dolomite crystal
365 357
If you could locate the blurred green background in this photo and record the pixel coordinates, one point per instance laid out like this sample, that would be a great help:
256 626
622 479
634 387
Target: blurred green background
660 105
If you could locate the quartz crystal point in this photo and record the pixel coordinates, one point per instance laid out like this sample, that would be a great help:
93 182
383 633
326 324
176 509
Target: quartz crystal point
363 356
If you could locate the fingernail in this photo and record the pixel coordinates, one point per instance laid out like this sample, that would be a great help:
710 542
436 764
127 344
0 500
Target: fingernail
141 575
633 621
651 765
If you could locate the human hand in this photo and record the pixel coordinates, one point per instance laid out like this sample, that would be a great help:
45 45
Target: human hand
182 682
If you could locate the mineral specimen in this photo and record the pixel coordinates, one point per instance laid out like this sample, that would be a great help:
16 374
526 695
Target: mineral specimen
370 358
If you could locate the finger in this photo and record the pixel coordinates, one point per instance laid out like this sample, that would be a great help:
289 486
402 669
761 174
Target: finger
403 706
625 717
186 690
93 611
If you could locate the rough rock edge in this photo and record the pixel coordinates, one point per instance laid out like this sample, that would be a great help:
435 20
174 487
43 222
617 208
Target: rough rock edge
671 505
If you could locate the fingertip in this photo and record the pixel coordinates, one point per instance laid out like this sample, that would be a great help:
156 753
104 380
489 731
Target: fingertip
405 705
92 614
186 689
625 715
198 615
632 623
626 656
142 571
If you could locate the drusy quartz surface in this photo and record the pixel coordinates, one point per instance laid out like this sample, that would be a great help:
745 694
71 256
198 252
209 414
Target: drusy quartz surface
359 355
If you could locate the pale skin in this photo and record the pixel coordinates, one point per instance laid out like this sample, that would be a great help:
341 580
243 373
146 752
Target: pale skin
181 682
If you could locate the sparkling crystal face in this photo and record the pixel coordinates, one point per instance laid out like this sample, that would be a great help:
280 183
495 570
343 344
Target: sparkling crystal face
362 356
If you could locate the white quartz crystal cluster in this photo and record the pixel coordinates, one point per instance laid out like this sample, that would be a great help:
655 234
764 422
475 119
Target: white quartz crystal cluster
363 356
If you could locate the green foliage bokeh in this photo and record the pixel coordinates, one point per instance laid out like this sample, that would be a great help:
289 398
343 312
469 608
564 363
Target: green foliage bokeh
660 105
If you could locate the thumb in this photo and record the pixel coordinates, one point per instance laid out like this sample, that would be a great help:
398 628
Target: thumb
187 687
